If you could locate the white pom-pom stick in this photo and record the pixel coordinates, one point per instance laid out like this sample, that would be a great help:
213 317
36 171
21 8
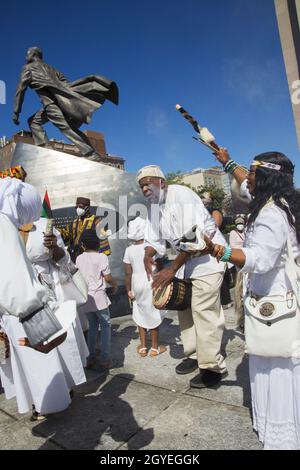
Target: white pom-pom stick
188 117
206 136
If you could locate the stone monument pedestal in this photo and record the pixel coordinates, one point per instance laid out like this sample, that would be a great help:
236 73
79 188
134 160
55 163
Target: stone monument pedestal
66 177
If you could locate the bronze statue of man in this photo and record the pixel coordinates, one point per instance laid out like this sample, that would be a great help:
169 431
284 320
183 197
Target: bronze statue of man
66 104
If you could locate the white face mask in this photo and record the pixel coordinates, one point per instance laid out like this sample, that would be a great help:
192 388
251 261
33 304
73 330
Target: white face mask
240 227
157 194
80 211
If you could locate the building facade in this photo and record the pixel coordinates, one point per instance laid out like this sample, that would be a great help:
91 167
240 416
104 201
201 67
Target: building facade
96 138
214 176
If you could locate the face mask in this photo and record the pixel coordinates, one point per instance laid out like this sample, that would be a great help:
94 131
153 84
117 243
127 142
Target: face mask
206 202
80 211
157 195
209 206
240 227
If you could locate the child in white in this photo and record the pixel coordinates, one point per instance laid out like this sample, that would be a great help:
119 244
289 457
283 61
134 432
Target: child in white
138 287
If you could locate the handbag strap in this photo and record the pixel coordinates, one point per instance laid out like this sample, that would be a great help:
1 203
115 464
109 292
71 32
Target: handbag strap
291 268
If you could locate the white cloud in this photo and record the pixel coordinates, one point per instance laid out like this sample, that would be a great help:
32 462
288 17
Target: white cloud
253 81
157 121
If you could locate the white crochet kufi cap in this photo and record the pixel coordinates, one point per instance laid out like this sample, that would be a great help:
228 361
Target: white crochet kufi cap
153 171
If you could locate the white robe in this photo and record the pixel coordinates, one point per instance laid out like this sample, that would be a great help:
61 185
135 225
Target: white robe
73 350
34 378
143 312
275 381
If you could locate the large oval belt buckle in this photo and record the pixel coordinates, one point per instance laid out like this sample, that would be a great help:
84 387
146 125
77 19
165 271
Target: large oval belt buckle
266 309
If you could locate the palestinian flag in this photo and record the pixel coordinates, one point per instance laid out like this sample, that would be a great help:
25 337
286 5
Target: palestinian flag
46 208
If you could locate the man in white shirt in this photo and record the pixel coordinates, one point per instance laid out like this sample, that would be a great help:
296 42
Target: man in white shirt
173 212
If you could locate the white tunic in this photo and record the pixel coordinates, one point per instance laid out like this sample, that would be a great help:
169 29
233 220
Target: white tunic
275 382
73 350
20 290
143 312
33 377
182 210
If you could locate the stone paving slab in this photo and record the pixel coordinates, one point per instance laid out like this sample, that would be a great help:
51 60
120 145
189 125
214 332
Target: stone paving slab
233 389
20 437
169 331
158 371
10 407
106 413
192 423
233 341
5 420
142 403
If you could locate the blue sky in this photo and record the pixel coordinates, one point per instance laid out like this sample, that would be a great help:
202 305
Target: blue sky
220 59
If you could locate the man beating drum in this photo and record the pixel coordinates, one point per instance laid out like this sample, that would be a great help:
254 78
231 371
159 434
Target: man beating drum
173 212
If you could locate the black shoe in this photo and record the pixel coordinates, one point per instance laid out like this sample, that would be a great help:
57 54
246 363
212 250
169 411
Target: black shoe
207 379
187 366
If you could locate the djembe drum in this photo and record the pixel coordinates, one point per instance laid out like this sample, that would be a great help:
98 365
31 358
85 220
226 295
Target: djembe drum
175 296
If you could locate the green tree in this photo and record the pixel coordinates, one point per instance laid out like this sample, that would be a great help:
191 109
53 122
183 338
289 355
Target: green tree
174 178
218 196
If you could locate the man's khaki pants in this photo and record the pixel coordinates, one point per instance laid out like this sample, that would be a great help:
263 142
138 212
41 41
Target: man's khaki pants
238 301
202 326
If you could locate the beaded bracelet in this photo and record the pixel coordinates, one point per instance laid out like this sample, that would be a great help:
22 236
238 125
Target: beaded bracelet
230 166
227 254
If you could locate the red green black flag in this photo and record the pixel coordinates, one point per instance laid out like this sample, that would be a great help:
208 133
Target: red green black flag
46 208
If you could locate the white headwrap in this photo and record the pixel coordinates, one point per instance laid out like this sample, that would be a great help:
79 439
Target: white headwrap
20 201
136 229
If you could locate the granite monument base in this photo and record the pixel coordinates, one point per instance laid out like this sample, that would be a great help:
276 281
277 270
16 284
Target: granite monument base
113 193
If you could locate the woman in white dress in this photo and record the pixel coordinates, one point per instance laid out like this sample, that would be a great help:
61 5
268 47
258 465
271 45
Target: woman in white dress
139 291
274 220
73 350
32 377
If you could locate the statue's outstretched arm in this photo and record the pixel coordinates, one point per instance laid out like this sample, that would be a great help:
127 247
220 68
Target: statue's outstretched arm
21 89
61 77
